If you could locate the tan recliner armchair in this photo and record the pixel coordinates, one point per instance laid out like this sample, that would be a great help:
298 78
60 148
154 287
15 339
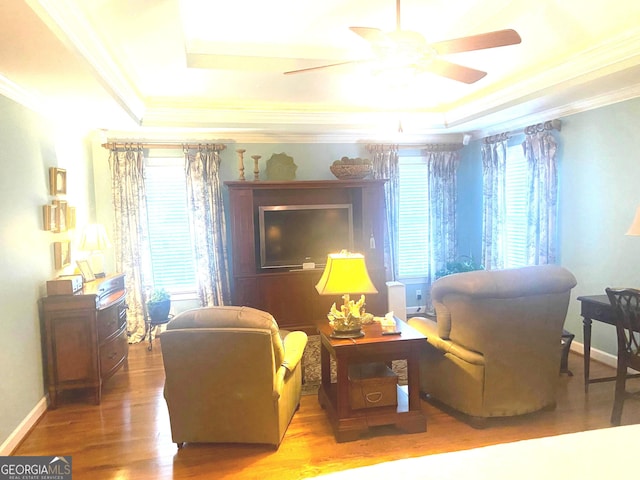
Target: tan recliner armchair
231 375
494 349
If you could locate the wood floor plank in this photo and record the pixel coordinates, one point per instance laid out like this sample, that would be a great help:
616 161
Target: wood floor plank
128 435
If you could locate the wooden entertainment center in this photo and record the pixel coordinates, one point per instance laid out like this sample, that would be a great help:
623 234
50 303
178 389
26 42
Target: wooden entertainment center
289 294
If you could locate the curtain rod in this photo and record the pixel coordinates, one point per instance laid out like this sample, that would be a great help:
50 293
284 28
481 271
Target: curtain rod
555 124
173 146
436 146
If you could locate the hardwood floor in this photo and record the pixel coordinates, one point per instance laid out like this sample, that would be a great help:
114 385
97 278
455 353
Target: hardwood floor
128 435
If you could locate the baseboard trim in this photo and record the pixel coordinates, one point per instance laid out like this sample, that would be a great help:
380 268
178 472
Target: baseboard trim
595 354
416 310
21 431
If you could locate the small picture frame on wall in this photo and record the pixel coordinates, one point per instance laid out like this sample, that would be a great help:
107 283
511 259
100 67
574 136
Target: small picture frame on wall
61 215
57 181
48 218
62 254
71 218
85 271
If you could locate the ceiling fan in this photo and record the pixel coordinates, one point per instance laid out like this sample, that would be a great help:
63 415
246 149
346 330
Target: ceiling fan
409 50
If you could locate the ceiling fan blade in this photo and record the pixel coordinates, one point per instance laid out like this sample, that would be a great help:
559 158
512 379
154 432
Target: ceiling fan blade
454 71
368 33
321 67
499 38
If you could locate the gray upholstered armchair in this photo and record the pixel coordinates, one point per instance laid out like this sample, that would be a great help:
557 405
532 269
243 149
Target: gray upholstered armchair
494 349
231 375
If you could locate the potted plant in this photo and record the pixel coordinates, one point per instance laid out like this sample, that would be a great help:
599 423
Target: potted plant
158 305
462 264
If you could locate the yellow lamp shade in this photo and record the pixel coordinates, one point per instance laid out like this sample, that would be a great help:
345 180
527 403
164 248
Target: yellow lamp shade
634 229
94 238
345 273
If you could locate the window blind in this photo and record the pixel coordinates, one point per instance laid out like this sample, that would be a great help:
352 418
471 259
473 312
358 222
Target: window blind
516 197
170 242
413 246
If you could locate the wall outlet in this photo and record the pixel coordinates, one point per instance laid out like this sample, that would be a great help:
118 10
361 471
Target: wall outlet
418 294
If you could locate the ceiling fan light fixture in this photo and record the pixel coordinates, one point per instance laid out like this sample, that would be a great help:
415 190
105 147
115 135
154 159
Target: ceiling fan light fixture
406 49
401 47
401 72
407 39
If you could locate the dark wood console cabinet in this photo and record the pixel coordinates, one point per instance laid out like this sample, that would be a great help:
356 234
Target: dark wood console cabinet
85 336
290 295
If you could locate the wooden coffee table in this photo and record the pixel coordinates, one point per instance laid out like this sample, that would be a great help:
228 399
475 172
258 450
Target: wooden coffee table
347 423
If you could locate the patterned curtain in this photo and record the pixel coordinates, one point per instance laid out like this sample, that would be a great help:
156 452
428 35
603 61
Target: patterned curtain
204 199
540 151
442 190
494 185
131 237
385 165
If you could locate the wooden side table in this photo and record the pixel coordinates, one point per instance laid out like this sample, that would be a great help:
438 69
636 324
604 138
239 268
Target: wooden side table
349 424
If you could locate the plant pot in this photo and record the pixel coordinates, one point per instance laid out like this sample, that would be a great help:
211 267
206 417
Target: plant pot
159 311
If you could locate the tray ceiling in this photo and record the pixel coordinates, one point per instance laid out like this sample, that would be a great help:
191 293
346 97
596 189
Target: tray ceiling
216 69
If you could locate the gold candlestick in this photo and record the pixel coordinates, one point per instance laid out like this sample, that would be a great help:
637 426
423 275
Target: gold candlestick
240 153
256 170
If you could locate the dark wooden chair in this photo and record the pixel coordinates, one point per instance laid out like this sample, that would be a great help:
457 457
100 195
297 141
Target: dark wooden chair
626 306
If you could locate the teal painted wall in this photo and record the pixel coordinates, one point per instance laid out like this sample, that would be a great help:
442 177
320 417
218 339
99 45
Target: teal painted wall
599 193
29 147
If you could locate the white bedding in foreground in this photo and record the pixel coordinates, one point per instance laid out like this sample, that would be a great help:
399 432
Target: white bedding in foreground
595 454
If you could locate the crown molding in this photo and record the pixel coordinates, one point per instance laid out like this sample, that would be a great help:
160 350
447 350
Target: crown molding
555 85
275 137
67 23
18 94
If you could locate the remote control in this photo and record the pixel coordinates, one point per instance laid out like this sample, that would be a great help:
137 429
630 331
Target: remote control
392 333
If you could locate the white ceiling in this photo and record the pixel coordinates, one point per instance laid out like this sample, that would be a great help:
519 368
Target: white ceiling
194 68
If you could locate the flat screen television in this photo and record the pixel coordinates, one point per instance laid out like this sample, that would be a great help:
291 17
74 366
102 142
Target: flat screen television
291 235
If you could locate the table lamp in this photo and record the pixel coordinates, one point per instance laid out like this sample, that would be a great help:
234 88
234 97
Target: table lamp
346 273
94 240
634 229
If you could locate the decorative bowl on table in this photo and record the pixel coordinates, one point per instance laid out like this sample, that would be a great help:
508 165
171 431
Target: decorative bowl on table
351 168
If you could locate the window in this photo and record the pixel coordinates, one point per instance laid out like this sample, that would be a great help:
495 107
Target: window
516 211
170 243
413 245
